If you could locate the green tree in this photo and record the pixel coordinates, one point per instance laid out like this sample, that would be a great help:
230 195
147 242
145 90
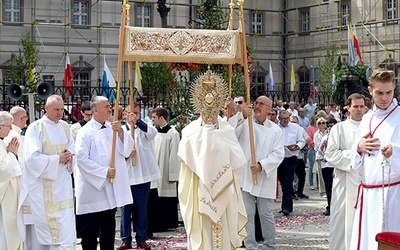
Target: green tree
212 15
25 71
344 68
327 69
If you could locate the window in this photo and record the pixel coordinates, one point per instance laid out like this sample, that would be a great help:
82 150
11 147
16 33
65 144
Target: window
305 20
391 9
12 10
344 13
256 23
143 16
81 83
81 12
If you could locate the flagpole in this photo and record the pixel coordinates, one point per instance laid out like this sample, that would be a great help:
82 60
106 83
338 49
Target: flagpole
125 8
231 6
247 82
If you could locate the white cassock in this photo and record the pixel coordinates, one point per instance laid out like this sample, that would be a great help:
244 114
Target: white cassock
93 190
47 184
10 184
146 168
345 183
166 150
209 194
372 212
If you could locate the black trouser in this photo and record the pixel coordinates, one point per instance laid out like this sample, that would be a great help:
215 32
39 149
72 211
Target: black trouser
286 175
100 223
301 175
327 174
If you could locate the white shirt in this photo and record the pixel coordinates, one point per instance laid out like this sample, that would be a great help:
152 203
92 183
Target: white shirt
292 134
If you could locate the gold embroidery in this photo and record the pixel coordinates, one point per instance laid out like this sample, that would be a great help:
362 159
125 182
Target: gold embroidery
26 209
182 45
50 206
208 203
217 235
219 175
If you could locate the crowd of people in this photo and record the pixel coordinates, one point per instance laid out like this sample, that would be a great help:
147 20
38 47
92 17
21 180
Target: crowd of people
61 181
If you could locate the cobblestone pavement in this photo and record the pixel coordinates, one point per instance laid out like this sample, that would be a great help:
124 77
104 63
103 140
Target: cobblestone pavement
305 228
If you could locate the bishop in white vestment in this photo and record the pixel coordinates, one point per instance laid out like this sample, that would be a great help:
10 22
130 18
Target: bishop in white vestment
209 194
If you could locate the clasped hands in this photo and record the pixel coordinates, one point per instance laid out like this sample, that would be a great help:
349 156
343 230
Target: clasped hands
66 157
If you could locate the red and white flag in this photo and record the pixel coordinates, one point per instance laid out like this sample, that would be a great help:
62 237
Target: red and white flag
68 75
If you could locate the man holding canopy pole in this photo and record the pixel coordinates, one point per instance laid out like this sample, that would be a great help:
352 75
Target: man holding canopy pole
96 196
269 154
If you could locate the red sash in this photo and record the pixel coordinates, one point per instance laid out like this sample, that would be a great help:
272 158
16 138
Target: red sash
360 197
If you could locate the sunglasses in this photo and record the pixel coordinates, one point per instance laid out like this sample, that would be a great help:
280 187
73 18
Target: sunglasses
239 102
320 123
330 125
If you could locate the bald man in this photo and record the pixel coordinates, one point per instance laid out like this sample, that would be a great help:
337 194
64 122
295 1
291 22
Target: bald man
268 157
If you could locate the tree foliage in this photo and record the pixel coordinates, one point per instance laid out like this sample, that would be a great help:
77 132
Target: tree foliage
327 69
25 72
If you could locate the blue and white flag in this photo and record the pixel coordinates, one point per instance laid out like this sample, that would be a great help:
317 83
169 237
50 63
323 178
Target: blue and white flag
108 83
271 79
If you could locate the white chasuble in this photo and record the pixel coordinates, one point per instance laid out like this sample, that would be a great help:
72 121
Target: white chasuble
209 194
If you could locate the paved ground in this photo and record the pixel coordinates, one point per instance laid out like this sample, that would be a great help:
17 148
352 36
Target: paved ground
306 228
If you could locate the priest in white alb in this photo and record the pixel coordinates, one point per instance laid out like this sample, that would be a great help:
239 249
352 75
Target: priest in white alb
10 183
47 195
345 182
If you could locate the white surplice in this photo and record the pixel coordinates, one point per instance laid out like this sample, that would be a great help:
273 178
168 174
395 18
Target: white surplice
166 150
371 214
269 152
209 194
47 183
146 168
93 190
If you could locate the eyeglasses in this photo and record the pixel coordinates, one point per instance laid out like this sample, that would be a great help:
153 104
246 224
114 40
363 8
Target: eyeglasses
6 126
239 102
329 125
87 115
321 123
